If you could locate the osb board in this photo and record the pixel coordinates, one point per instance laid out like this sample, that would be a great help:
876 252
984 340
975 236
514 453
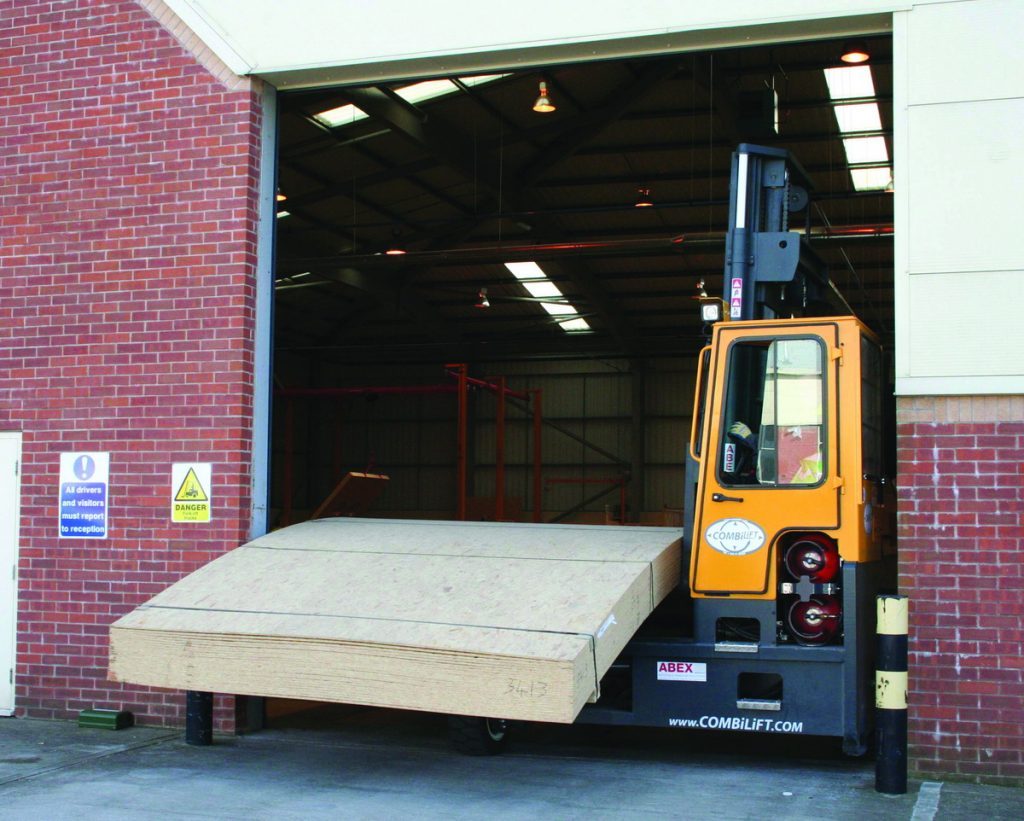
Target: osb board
549 681
586 543
472 618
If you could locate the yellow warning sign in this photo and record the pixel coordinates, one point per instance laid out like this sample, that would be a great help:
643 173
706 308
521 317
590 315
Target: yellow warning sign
191 490
191 501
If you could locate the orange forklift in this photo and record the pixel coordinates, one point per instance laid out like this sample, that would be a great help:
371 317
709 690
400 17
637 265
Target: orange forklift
788 511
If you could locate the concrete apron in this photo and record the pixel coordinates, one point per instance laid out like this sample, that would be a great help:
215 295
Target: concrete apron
375 763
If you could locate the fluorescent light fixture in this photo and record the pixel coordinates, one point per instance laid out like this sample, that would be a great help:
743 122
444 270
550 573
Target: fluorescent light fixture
858 117
578 324
871 179
860 150
849 82
283 214
415 93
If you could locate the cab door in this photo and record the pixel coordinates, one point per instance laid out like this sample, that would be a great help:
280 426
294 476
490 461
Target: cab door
769 456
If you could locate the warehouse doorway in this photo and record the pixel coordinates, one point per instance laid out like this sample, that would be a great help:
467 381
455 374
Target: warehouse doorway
440 221
10 494
440 227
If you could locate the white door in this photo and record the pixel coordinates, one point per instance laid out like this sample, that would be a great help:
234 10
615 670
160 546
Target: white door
10 493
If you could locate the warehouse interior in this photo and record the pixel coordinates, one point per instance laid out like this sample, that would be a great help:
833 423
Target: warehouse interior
430 223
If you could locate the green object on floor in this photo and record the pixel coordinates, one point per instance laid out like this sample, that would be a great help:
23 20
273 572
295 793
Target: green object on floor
106 719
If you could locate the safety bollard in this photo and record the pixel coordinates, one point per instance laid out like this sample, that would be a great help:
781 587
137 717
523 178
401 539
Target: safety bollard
198 718
891 695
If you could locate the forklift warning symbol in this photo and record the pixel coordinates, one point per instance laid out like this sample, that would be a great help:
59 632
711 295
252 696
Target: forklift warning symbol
191 500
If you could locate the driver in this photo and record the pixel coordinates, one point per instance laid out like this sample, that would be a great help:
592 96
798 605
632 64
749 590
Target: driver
744 443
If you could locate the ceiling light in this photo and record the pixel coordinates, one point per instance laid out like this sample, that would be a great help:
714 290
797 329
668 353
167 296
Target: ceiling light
643 198
397 247
283 214
855 51
481 299
281 196
543 103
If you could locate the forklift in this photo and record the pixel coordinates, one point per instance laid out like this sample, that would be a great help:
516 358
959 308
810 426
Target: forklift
788 508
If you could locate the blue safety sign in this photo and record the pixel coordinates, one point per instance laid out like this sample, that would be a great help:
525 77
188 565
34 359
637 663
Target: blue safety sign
84 479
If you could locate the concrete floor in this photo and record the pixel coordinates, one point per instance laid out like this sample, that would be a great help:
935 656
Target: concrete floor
355 763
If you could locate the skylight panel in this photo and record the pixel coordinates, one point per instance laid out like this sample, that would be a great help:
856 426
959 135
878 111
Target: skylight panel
541 288
415 93
427 90
558 308
342 115
526 270
849 82
861 150
858 117
430 89
532 277
871 179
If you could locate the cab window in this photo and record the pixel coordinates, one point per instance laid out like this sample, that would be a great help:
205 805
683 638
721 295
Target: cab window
773 427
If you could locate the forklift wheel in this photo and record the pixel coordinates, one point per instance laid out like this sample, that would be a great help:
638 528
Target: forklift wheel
471 735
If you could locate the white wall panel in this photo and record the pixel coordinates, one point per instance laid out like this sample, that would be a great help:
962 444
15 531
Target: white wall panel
958 108
955 46
967 172
951 337
268 37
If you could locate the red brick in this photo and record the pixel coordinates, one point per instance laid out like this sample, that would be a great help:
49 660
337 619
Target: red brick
962 563
88 302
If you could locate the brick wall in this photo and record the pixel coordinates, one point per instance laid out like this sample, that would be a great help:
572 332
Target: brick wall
961 542
126 320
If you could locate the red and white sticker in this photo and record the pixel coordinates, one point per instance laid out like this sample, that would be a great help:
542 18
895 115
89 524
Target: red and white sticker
729 461
682 671
736 298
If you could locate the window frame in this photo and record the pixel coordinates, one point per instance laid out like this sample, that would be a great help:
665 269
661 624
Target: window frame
720 477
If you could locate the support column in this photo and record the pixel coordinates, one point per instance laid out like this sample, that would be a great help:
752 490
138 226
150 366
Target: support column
538 454
499 454
198 718
638 451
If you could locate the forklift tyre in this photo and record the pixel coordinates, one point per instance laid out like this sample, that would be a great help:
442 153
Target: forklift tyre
471 735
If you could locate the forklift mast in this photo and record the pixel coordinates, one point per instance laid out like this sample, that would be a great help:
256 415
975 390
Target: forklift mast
770 270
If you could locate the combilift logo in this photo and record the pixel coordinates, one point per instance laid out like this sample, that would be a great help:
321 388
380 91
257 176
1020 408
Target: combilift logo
734 537
682 671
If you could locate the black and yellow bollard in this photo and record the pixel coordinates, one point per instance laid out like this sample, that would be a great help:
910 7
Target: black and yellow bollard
891 696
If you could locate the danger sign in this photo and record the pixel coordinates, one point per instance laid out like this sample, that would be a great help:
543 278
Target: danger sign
190 487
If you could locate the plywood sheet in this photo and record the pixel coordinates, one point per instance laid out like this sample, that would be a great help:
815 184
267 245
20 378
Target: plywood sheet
512 621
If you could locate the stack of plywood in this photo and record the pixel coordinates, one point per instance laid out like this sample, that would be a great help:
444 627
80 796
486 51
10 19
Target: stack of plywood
476 618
